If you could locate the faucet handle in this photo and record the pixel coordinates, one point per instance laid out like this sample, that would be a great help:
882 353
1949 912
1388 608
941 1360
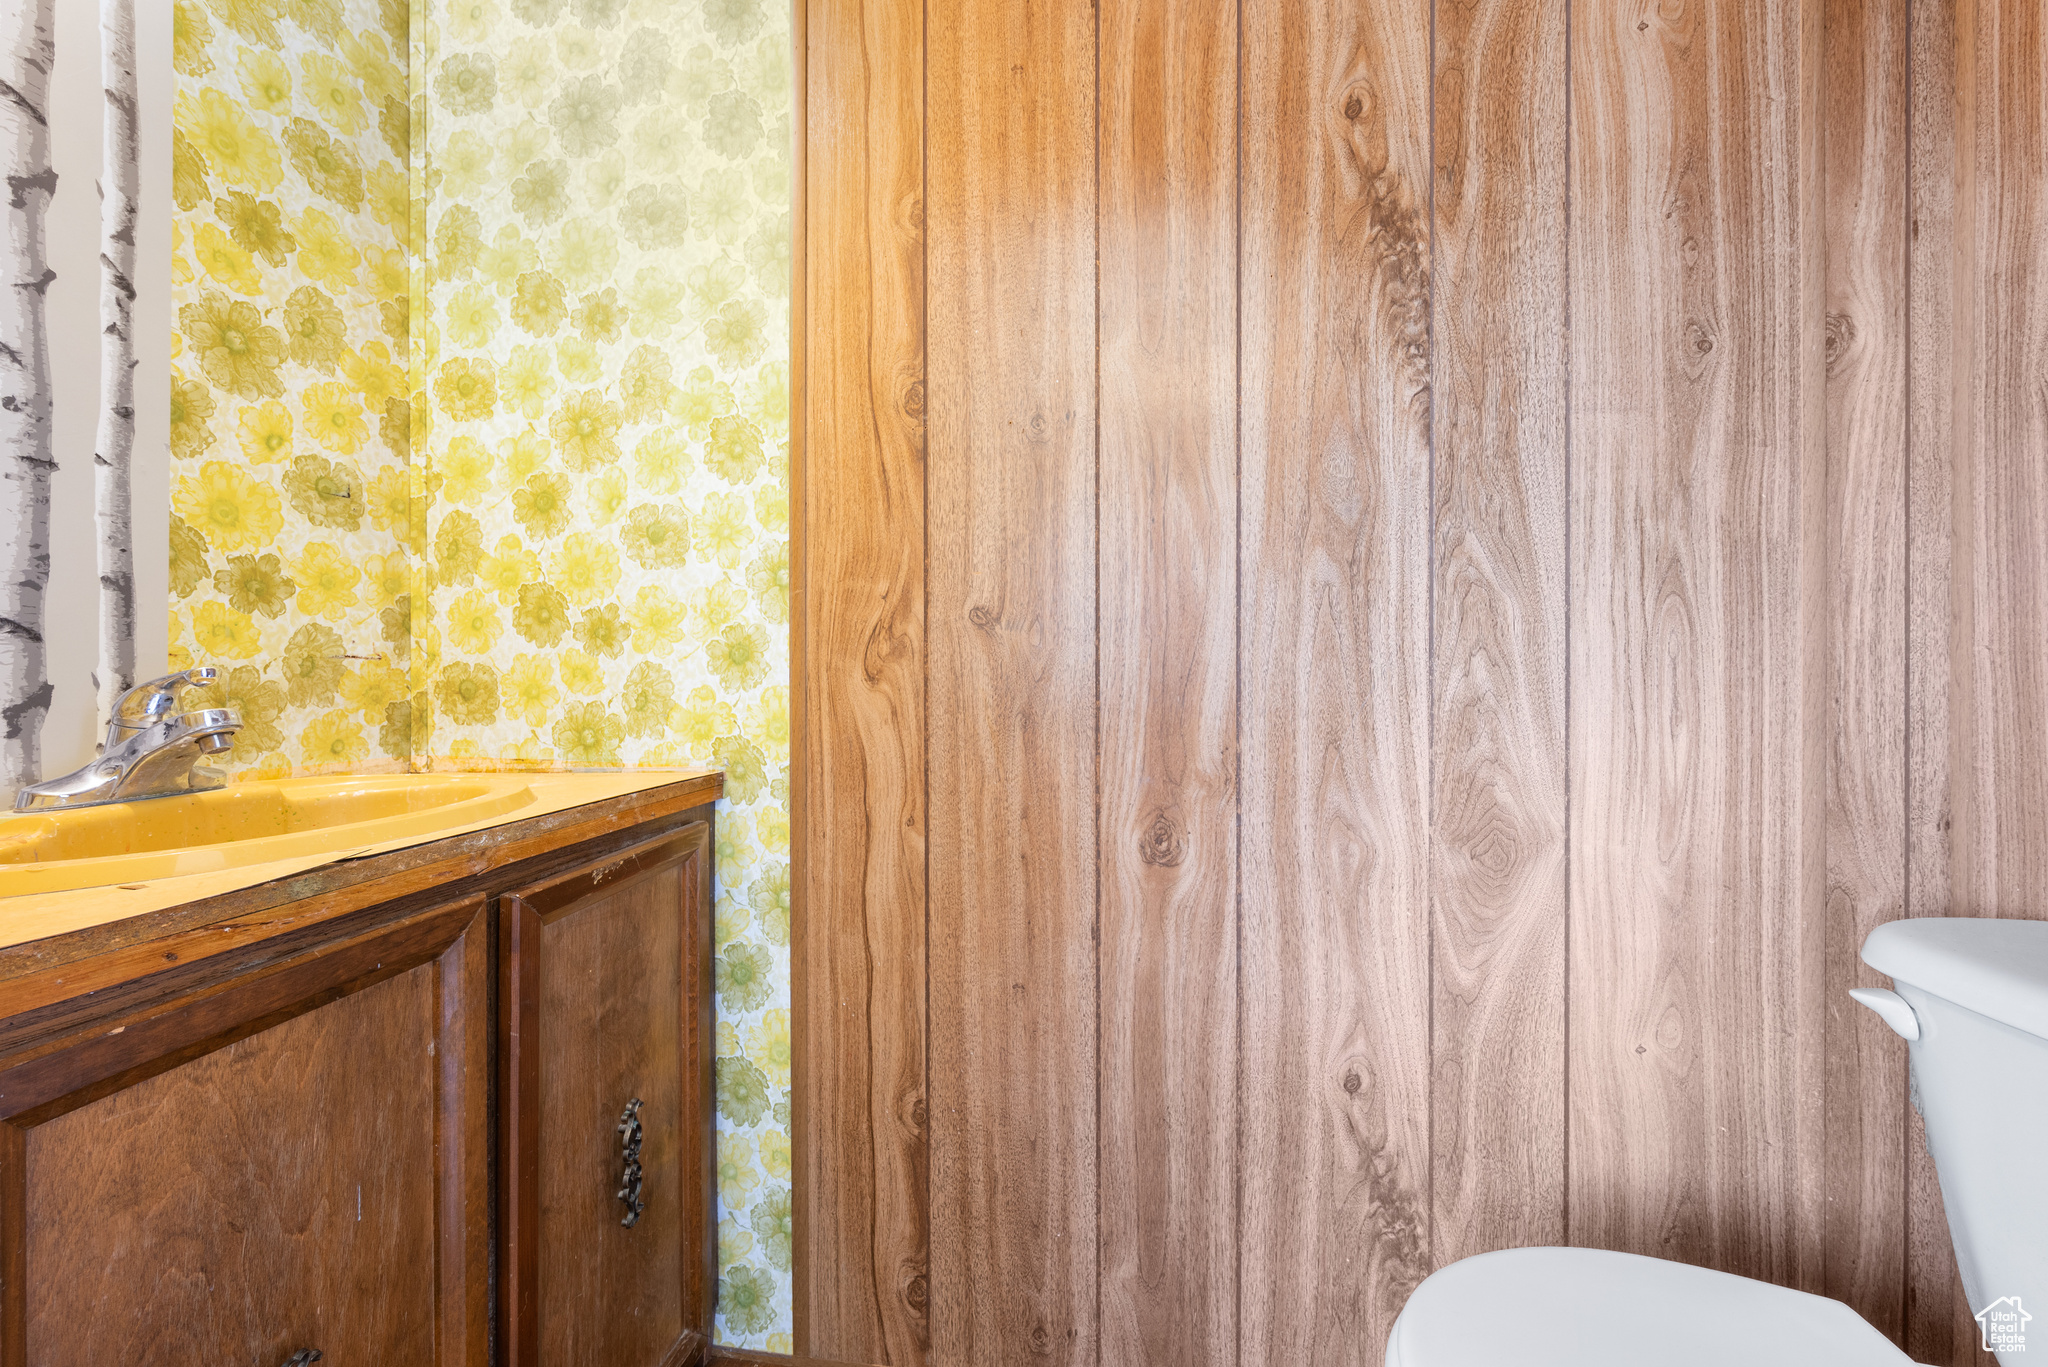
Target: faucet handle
147 703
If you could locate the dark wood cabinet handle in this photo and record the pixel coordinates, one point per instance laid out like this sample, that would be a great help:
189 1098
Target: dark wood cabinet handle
629 1151
305 1357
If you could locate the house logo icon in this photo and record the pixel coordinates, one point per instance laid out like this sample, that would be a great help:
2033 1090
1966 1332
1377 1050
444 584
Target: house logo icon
2004 1323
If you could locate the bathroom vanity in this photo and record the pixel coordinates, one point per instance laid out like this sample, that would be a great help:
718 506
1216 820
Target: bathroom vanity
446 1103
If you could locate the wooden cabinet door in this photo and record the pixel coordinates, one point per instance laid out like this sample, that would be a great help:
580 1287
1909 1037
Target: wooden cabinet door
607 1002
290 1159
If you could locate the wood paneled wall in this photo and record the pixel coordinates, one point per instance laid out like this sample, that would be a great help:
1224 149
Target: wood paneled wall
1385 593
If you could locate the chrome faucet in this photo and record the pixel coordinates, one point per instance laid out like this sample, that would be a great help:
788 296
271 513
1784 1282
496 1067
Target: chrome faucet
149 752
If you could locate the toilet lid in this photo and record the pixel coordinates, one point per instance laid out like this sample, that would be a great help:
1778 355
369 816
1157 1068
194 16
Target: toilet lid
1584 1307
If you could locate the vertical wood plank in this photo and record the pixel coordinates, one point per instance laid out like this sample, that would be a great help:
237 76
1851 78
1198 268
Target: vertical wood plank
1938 1326
1011 263
1497 853
1334 625
1167 508
859 951
1999 845
1865 130
1979 524
1697 709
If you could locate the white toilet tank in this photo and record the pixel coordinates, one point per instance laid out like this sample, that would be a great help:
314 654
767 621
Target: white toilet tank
1978 990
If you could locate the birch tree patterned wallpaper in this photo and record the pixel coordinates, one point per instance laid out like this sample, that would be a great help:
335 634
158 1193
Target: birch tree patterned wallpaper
480 434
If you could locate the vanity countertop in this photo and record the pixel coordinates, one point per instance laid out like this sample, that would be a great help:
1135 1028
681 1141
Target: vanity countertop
565 808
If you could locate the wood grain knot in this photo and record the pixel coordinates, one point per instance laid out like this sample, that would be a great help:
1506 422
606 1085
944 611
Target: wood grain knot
1041 1341
913 399
1164 842
1038 426
1353 107
1841 335
981 617
1352 1083
918 1114
917 1293
1698 339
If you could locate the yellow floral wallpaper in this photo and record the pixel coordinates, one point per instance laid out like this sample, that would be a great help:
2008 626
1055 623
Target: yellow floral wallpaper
602 417
560 228
289 487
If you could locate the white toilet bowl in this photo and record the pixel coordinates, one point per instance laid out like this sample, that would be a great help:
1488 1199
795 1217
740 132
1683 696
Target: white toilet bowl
1973 1006
1585 1307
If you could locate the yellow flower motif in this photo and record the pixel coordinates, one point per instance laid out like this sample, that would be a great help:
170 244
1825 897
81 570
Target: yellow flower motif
714 607
472 318
655 302
390 499
520 144
465 471
580 361
390 195
725 529
771 510
473 623
386 579
658 620
582 674
464 162
704 398
768 1045
332 90
661 140
265 431
578 48
584 568
508 257
224 261
527 379
505 569
386 276
606 176
701 719
374 376
370 60
222 633
606 496
334 417
782 1341
586 429
775 831
739 656
327 581
526 71
585 254
522 455
234 511
333 739
474 21
736 1176
235 148
768 718
661 461
191 34
467 389
325 253
368 690
527 689
768 396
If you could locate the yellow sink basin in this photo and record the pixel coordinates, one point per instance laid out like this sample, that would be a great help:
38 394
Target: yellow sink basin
245 823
